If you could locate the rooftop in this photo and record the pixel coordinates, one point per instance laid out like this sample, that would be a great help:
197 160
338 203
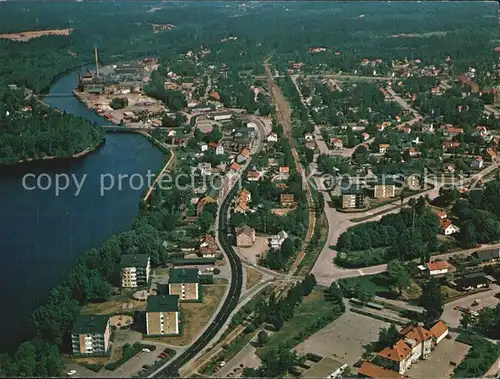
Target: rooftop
134 260
371 370
163 303
90 324
183 275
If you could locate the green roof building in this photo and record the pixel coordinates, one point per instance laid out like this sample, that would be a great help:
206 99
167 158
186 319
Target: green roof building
183 275
135 270
90 335
184 282
162 315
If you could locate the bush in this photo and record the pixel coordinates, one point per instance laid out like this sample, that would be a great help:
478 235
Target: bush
216 271
96 367
128 352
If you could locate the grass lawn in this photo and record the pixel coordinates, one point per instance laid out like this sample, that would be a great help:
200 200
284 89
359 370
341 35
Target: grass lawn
252 277
378 283
312 309
115 304
161 271
194 316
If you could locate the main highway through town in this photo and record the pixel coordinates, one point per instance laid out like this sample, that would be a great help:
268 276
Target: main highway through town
171 369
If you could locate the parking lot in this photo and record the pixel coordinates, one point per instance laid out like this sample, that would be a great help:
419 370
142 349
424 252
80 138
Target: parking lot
438 365
452 316
344 338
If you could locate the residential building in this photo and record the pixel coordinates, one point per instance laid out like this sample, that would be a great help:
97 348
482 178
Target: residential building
90 335
205 169
287 200
450 131
207 247
490 155
439 331
162 315
447 228
413 182
245 236
415 343
185 283
273 137
276 241
235 167
135 269
438 268
489 255
384 191
336 143
353 198
472 281
370 370
477 163
450 145
222 116
365 136
243 197
383 147
253 176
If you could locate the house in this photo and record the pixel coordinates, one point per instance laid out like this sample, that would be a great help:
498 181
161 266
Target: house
353 198
441 215
450 167
336 143
287 200
273 137
477 163
308 137
245 236
416 343
384 190
413 181
448 145
490 155
383 147
365 136
203 147
214 96
243 197
472 281
447 228
370 370
276 241
438 268
207 247
253 176
205 168
222 116
184 282
135 269
481 131
219 149
439 331
91 335
436 90
450 131
412 152
251 125
235 167
489 255
162 315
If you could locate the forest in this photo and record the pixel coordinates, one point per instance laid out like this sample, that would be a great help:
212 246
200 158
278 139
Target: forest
31 131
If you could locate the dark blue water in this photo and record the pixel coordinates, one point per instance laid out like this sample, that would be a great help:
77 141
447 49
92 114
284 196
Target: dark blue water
42 235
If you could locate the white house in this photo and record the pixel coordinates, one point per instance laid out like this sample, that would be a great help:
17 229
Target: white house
276 241
447 228
219 150
309 137
439 331
205 168
203 147
273 137
251 125
223 117
438 267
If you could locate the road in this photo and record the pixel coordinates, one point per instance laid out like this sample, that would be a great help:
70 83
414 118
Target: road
235 286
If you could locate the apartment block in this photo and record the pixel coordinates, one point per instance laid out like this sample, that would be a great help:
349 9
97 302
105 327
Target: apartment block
90 335
135 270
162 315
353 198
184 283
384 191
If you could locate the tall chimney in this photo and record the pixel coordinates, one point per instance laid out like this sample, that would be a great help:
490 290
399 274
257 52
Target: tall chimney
96 63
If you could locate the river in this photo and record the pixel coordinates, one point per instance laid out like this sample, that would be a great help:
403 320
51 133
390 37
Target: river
42 234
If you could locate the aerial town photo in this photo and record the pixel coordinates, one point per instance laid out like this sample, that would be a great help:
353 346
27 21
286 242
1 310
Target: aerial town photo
262 189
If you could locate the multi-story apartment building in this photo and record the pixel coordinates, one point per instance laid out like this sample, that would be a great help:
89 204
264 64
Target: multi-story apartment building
384 191
353 198
185 283
90 335
162 315
135 270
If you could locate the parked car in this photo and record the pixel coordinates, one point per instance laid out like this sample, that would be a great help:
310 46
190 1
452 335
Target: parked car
476 302
71 372
146 350
145 367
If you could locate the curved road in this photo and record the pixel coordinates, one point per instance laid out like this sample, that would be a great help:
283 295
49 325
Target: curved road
171 369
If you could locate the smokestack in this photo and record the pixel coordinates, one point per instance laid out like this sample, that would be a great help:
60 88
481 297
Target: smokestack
96 63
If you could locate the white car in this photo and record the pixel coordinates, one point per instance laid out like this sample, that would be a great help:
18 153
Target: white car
222 364
71 372
146 350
